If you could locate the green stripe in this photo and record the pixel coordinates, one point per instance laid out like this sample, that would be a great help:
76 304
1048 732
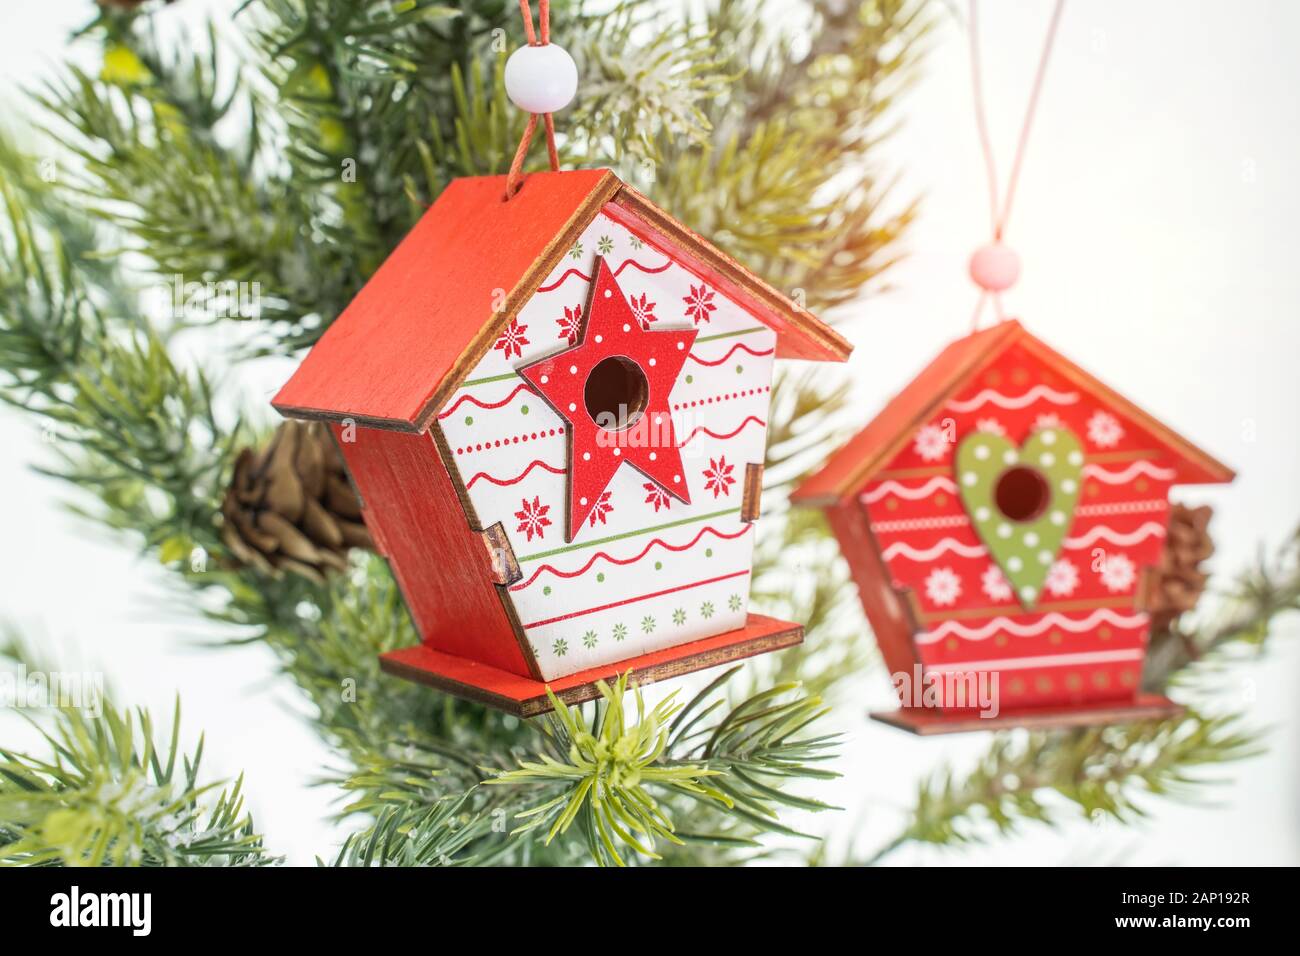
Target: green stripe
494 378
729 335
627 534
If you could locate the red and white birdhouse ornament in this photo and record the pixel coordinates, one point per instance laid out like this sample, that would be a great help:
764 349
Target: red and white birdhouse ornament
1000 516
553 407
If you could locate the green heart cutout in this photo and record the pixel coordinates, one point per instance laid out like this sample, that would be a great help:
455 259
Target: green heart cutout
1021 500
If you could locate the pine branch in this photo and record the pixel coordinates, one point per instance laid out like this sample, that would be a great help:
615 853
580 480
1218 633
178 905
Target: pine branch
1103 770
152 146
114 792
1260 596
786 184
1100 770
637 96
126 421
415 101
601 773
439 831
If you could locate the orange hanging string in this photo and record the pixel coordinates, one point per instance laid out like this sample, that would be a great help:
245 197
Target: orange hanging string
515 177
1000 214
526 11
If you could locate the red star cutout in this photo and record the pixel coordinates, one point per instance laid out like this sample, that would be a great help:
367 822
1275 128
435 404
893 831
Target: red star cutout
611 334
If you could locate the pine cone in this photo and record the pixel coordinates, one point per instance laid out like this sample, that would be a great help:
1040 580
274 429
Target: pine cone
1178 583
291 507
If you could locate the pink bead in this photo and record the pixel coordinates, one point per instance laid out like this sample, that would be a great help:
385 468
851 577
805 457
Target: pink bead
995 267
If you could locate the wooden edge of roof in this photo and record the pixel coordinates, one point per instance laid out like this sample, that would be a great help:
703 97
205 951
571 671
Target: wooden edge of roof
856 475
1216 470
859 474
830 343
611 189
823 342
554 251
341 418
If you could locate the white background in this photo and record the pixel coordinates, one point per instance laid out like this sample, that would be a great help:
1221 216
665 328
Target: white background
1156 220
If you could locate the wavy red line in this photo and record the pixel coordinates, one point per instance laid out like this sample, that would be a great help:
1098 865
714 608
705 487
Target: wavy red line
471 398
649 270
503 482
560 281
732 434
632 560
730 352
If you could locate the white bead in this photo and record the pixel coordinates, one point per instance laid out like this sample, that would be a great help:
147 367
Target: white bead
541 79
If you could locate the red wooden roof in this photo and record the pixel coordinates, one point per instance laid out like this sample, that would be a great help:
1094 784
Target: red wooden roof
436 305
850 468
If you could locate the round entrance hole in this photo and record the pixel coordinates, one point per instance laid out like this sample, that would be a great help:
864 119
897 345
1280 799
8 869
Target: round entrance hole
1021 493
616 393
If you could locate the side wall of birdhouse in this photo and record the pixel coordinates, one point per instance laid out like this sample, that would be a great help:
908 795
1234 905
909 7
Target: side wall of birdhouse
1085 638
647 570
885 608
444 569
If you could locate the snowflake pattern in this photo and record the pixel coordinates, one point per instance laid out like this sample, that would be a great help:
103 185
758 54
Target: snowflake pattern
605 245
512 340
648 624
717 477
570 324
706 610
990 426
643 309
699 304
620 632
601 508
657 496
1062 578
1047 420
943 587
734 602
1118 572
679 617
635 242
931 443
589 640
1104 430
560 647
532 518
576 251
994 584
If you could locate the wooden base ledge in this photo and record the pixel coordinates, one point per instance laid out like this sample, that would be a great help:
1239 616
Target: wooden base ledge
526 697
926 722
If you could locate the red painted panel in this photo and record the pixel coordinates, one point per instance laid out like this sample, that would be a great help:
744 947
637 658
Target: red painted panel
441 565
385 356
884 609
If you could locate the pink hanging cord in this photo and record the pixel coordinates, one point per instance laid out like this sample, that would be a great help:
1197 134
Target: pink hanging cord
515 178
999 216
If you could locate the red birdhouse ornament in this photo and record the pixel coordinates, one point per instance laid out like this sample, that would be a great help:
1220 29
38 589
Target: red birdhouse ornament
1000 517
554 409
